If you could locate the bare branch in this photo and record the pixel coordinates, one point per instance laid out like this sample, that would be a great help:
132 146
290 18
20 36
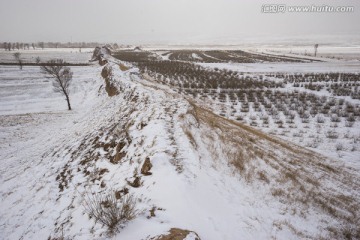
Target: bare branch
62 77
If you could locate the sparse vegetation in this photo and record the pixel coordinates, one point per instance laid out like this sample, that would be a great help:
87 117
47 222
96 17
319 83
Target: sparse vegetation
214 124
110 211
248 97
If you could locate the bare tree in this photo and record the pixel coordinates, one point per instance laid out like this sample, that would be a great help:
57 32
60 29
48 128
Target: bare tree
62 77
315 48
41 45
17 56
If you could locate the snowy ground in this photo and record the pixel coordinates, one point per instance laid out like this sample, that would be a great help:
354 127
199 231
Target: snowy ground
325 51
320 67
29 91
71 55
351 52
312 134
209 175
335 139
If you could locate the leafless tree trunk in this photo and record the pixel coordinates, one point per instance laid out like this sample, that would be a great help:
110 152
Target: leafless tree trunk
315 48
62 77
18 59
41 45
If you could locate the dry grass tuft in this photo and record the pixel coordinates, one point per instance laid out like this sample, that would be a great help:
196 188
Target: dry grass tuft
123 67
303 175
110 211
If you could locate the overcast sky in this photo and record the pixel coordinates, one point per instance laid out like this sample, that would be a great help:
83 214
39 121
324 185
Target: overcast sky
168 21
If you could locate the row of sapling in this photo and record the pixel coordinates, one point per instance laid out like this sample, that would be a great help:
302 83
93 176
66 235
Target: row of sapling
188 75
187 55
298 102
317 77
304 108
245 57
134 56
214 56
224 86
337 112
8 46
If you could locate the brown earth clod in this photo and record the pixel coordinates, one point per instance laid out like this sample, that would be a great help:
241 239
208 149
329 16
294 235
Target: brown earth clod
146 167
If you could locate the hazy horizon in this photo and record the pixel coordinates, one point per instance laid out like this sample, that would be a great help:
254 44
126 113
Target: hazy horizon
173 22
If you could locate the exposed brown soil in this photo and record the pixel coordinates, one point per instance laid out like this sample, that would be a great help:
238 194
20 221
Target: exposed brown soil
146 167
175 234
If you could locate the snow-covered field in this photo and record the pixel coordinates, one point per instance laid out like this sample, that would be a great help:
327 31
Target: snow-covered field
334 133
328 51
319 67
351 52
70 55
312 134
218 178
29 91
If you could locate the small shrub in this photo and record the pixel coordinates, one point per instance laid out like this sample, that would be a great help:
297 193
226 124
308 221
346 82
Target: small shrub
335 118
265 119
240 118
332 134
351 118
320 119
110 211
349 124
339 147
353 148
253 123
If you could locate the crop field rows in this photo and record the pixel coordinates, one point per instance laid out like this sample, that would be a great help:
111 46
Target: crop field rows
336 84
208 56
316 110
215 56
135 56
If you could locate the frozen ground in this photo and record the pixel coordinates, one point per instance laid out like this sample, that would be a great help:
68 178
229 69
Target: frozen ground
71 55
331 51
216 177
319 67
351 52
29 91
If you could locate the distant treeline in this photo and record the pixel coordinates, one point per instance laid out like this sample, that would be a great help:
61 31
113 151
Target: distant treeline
12 46
42 64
